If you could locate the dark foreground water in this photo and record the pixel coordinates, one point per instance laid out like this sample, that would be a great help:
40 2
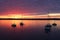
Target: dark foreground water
31 30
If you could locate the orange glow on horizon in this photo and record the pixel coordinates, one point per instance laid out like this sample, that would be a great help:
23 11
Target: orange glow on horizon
21 16
29 16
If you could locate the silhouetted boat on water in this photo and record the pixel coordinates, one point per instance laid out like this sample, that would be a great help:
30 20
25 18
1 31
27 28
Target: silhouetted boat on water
13 25
54 24
21 24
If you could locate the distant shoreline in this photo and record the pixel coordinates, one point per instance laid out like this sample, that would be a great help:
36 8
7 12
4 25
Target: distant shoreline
29 18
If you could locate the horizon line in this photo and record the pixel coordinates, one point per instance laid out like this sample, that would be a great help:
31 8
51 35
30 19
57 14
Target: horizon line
29 18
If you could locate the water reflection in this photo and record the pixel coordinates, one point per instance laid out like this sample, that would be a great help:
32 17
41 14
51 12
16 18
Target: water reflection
21 26
48 28
28 30
13 26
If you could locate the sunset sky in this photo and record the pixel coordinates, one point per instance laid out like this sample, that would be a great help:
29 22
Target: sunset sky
29 7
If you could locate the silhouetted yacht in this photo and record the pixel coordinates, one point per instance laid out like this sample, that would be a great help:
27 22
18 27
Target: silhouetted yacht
48 26
13 25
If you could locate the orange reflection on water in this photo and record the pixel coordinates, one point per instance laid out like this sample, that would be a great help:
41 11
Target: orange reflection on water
27 23
17 22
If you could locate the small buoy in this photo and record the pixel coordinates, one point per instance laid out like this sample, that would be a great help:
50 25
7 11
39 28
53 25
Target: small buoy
13 25
21 24
54 24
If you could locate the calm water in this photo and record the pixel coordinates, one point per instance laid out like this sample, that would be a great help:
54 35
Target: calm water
31 30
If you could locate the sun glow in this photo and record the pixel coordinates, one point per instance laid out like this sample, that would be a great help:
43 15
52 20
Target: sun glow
11 16
20 16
